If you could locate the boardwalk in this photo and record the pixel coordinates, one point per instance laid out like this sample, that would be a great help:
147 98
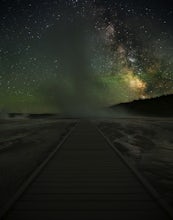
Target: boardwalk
86 179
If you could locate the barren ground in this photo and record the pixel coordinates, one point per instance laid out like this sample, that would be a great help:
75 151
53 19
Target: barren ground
147 143
24 143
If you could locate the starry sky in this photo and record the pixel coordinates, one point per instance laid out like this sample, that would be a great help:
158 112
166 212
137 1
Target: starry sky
75 55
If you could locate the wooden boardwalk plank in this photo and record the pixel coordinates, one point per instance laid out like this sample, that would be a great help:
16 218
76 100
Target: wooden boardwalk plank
83 197
86 215
86 205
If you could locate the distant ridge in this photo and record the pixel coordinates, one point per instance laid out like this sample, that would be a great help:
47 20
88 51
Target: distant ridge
160 106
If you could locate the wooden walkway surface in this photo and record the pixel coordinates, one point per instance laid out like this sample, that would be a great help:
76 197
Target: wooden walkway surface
86 179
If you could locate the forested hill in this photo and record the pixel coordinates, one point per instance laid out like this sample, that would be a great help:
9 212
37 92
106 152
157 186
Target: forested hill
160 106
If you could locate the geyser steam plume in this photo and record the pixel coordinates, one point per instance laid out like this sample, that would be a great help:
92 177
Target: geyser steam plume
76 88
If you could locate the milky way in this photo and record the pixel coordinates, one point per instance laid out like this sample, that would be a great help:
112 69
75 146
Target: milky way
74 55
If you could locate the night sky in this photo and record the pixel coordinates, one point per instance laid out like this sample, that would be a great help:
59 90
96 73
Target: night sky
77 55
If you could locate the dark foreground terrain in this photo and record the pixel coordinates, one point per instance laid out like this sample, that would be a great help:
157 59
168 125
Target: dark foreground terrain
86 178
24 143
147 143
